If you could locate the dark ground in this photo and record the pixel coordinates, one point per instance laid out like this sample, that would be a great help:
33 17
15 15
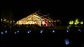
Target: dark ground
47 38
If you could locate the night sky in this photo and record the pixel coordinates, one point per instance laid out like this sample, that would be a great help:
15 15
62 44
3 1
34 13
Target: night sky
58 12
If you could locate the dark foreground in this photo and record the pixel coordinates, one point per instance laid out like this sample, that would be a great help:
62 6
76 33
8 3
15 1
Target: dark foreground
46 38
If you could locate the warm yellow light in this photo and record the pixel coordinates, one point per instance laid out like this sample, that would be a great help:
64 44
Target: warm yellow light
81 22
76 22
1 19
19 22
43 22
4 20
10 21
7 21
31 19
13 21
30 22
71 22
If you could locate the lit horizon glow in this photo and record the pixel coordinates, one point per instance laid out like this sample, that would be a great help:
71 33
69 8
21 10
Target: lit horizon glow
31 19
76 22
36 19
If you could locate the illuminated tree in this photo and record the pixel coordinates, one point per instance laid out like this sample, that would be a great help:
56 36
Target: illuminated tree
71 22
76 22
